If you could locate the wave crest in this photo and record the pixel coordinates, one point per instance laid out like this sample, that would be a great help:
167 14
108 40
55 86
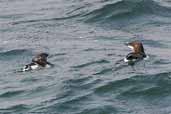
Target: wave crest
126 9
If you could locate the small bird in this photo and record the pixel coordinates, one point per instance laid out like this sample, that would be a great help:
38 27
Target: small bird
137 54
39 61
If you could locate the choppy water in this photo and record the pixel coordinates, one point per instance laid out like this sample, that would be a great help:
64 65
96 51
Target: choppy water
85 40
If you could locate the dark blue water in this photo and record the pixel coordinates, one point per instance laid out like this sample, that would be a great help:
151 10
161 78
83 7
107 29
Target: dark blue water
85 40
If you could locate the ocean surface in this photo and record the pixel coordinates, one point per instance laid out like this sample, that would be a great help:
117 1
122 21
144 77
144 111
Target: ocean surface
85 40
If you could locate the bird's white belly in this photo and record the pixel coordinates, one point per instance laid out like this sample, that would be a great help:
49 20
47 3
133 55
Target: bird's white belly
34 67
126 60
48 66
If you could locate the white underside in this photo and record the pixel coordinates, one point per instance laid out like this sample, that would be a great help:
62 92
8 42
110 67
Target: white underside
131 47
48 66
24 69
35 67
126 60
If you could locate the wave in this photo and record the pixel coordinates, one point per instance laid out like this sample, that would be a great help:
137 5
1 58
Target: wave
122 10
15 109
126 9
11 93
139 85
7 55
103 61
44 20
